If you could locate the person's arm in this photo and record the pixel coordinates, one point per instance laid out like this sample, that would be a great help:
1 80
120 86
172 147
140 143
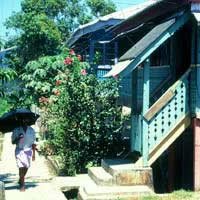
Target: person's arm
34 145
16 137
34 148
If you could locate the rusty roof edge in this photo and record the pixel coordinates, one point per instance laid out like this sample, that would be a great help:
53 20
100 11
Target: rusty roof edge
157 2
113 28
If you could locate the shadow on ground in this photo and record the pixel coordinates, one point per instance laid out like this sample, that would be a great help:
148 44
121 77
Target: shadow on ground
10 182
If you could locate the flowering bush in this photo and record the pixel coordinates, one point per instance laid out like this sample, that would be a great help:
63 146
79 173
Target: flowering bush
83 119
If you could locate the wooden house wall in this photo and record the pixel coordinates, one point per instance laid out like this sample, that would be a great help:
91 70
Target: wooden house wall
157 76
195 92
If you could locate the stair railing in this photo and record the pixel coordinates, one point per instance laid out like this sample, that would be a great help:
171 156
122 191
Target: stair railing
166 113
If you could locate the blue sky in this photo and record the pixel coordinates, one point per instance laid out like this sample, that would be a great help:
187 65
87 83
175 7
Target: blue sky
9 6
121 4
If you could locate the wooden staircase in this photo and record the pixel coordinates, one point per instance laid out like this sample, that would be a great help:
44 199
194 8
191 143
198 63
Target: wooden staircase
167 119
174 133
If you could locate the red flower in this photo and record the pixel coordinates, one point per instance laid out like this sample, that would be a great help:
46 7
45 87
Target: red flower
72 52
83 72
68 61
56 92
43 100
79 57
58 82
115 76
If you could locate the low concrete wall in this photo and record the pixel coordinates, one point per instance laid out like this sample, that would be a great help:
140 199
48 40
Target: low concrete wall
2 191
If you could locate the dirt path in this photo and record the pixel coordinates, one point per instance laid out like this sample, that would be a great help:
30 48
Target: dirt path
38 178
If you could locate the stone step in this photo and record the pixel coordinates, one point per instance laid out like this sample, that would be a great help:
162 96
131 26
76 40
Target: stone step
114 166
113 193
124 172
100 176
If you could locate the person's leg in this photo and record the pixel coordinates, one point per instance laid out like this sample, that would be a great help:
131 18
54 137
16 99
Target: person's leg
21 179
22 173
25 171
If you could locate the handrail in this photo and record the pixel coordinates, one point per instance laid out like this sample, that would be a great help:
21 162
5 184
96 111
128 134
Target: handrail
165 98
156 107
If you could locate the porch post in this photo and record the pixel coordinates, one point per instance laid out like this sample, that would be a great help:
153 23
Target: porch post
135 138
172 147
116 52
146 94
104 53
196 121
171 166
91 52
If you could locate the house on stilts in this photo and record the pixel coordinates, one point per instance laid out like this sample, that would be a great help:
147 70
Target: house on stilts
159 64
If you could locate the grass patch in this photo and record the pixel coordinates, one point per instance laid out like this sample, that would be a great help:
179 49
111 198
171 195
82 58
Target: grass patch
177 195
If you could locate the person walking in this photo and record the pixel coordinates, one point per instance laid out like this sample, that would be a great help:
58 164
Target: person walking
24 138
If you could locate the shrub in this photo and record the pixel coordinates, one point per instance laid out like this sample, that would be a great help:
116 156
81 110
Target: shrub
82 116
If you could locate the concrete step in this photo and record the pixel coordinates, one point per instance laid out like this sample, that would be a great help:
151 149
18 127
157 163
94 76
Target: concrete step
124 172
100 176
113 193
114 166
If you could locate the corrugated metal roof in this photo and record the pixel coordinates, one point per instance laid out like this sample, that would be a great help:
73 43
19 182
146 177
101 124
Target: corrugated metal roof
118 68
155 9
140 46
111 19
8 49
130 56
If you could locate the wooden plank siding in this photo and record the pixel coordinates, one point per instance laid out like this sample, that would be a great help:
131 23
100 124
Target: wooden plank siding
158 74
195 93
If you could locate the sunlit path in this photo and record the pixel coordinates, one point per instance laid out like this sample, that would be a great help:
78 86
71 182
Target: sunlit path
38 179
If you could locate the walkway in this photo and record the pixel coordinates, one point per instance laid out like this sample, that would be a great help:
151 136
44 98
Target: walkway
38 178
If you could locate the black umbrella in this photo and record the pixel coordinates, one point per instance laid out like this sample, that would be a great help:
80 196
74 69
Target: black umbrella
14 119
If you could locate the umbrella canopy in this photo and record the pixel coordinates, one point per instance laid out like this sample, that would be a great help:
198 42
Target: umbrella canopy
14 119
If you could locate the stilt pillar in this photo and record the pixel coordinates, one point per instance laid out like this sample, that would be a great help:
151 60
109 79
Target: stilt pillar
171 167
196 164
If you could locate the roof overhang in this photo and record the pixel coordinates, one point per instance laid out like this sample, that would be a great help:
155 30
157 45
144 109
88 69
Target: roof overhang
90 28
195 9
155 9
120 66
148 44
108 20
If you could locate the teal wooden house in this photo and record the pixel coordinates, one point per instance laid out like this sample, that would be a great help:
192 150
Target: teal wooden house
161 83
93 42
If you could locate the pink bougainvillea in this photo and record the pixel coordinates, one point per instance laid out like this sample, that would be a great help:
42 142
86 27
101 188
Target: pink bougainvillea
43 100
72 52
83 72
79 57
68 61
115 76
58 82
56 92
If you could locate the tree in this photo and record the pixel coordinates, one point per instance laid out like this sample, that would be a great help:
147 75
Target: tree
101 7
43 27
1 44
6 75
